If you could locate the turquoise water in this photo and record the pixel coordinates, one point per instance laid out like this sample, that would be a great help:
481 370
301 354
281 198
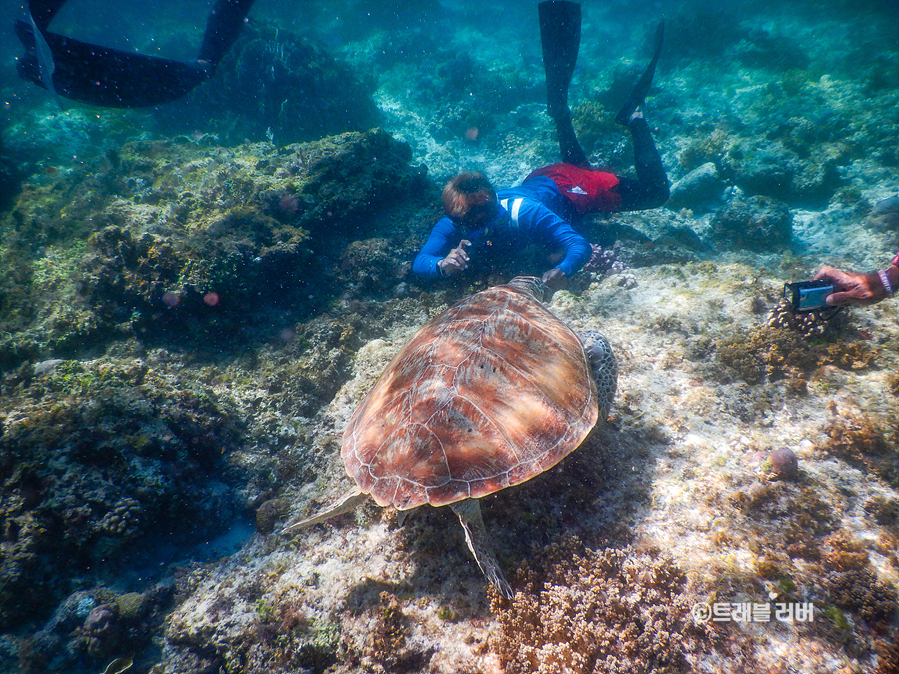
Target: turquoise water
195 295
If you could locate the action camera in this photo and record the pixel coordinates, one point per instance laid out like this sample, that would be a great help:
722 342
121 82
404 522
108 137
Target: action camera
805 296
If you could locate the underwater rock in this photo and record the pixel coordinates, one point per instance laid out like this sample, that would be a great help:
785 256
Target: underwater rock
698 187
784 463
273 84
805 175
101 630
757 223
884 217
269 513
761 49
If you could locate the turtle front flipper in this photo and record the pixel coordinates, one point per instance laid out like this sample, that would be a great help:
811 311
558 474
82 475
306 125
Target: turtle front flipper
349 502
469 512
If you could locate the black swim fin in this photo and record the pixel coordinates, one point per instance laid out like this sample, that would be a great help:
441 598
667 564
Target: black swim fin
223 28
642 89
107 77
560 35
43 11
112 78
43 55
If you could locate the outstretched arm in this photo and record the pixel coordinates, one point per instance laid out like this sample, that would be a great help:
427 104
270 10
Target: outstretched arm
544 225
439 244
859 289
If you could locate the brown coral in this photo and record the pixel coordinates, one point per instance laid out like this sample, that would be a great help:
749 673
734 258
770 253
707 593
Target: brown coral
860 592
893 383
846 553
866 443
783 348
612 610
765 353
809 325
387 642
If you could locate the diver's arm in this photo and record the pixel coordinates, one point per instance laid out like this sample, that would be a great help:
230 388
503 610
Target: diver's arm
442 239
545 225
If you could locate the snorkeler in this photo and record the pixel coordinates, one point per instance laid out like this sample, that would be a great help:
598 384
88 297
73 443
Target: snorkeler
497 226
494 226
111 78
584 189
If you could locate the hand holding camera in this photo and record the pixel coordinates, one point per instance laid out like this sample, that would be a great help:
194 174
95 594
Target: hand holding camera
808 296
856 289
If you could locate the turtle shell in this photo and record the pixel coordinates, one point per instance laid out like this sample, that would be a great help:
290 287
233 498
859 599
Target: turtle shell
485 396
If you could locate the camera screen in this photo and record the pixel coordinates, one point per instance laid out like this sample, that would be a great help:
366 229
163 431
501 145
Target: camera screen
813 298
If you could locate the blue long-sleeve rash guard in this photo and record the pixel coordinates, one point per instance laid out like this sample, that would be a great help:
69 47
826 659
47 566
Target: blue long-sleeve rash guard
536 222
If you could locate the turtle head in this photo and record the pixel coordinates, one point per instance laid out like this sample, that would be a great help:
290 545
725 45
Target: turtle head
533 286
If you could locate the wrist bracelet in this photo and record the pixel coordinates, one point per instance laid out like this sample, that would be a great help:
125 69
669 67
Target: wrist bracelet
885 280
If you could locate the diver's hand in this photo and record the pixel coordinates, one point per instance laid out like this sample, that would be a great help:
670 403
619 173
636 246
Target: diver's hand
852 289
555 279
457 259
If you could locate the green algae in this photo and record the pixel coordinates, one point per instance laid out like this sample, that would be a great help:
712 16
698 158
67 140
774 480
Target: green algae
175 237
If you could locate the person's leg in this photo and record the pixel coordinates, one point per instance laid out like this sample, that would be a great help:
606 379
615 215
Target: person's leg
650 189
560 36
635 100
569 147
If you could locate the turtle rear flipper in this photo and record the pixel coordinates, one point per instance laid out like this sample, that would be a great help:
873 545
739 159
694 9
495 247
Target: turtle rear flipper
348 503
469 512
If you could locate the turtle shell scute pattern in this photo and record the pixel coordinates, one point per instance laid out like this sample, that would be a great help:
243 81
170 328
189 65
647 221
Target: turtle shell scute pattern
485 396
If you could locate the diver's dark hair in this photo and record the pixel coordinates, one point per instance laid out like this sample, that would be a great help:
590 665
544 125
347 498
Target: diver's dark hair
465 191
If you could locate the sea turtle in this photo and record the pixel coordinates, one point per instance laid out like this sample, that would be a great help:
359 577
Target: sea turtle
485 396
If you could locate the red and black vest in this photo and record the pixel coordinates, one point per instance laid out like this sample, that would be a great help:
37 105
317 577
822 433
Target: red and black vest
589 191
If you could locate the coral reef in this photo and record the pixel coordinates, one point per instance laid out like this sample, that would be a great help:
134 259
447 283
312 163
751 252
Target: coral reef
604 260
94 626
387 642
187 320
787 346
175 238
96 458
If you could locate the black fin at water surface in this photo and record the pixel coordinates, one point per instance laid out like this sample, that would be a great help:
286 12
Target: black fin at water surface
112 78
107 77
